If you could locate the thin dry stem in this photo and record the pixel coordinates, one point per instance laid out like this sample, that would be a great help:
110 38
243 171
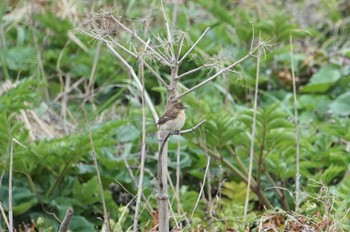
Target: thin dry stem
137 81
157 55
218 73
4 216
149 207
143 147
159 78
93 71
194 45
202 188
66 221
297 137
178 168
251 156
193 71
10 217
168 30
180 47
100 186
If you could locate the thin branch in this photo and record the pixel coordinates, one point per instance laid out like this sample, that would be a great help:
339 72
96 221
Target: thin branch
137 81
251 156
10 217
181 132
177 184
4 216
103 202
160 57
193 71
194 45
201 191
168 30
297 136
159 78
123 48
143 146
149 207
219 73
180 46
69 89
121 218
171 184
131 54
94 66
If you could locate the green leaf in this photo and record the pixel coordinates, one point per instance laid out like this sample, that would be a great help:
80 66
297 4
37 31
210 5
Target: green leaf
341 105
321 81
81 224
24 207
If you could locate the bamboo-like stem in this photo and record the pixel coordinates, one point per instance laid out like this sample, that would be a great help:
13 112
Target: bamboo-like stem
251 155
162 196
297 136
162 178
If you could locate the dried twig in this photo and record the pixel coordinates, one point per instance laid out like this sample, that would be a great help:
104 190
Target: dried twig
297 137
103 202
137 81
143 146
251 156
10 217
194 45
157 55
66 221
218 73
201 191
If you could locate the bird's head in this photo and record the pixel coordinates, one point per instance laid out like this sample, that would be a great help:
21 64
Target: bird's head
179 106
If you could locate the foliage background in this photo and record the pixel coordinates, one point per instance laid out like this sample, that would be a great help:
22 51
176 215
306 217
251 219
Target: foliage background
56 83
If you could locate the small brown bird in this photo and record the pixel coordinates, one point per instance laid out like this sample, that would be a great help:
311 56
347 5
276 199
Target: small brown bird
172 120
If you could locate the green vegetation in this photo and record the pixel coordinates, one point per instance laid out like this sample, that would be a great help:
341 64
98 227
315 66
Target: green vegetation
58 86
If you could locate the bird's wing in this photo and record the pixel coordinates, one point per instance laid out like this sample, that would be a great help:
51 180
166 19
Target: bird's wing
169 115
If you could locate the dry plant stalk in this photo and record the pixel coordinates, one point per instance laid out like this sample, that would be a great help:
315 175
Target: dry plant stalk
297 137
105 212
251 156
165 55
143 146
64 227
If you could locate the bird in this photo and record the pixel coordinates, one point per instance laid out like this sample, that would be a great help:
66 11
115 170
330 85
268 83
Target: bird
172 120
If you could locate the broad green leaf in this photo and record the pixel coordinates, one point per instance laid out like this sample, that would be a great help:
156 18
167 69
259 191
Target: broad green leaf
341 105
321 81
